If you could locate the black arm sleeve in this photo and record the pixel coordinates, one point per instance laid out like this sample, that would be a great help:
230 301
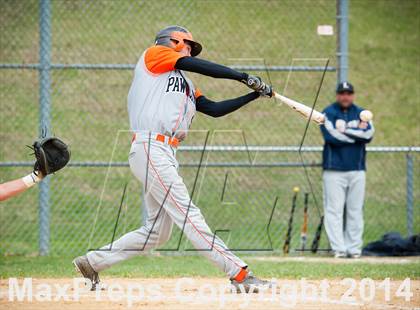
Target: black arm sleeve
217 109
209 68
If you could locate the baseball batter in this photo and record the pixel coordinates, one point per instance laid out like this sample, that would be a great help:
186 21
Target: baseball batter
162 103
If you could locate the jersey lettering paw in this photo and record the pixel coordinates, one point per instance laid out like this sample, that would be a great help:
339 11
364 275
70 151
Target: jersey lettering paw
177 84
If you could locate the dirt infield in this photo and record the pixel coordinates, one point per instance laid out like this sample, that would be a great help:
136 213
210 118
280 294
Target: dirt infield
203 293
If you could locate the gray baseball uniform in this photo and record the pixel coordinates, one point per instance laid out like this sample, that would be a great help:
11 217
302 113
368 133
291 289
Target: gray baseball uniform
344 188
161 101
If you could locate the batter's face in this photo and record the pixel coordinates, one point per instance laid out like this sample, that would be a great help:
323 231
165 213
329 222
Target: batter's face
345 99
186 50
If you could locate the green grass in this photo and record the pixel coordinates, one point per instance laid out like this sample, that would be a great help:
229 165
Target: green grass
196 266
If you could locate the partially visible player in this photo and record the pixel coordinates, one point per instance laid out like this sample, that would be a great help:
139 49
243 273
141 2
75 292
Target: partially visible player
162 103
15 187
51 154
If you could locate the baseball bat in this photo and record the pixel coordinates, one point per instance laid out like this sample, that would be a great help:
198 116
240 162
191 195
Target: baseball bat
317 238
304 110
304 231
290 224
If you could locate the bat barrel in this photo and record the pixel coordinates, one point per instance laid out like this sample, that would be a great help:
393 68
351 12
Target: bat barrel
304 110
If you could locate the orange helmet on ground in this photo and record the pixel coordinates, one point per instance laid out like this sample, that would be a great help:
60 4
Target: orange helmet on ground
178 35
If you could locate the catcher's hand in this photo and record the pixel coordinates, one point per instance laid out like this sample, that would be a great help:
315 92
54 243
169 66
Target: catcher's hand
51 154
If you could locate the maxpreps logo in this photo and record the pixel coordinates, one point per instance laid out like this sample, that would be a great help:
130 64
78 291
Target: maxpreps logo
45 291
284 293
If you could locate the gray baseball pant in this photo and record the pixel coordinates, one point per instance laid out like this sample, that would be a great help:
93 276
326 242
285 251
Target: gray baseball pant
344 188
163 209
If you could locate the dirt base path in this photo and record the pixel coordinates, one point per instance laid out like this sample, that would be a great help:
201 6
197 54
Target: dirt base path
206 294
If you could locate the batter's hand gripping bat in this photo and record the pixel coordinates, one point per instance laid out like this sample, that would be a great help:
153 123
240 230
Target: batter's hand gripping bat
304 110
305 224
286 245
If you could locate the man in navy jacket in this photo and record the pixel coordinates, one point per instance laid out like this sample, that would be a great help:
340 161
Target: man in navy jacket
344 178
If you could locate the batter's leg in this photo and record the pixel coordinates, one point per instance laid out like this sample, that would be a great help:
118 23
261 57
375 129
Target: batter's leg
156 232
162 167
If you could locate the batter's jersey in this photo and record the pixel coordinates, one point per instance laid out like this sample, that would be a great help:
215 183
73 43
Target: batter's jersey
161 98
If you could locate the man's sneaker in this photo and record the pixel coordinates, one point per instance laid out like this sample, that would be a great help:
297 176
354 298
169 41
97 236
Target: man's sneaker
250 284
83 266
340 255
356 255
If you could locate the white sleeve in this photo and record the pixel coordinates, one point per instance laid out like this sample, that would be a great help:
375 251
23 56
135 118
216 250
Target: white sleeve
360 133
335 133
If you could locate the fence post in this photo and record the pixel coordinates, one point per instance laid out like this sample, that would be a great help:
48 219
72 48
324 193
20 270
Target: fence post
409 194
342 39
44 118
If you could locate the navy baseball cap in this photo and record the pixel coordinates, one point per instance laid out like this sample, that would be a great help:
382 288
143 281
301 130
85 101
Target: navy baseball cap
344 87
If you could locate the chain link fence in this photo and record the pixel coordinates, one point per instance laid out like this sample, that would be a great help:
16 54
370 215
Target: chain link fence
77 58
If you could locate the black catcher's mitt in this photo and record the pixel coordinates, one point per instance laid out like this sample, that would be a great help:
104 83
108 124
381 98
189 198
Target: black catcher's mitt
51 154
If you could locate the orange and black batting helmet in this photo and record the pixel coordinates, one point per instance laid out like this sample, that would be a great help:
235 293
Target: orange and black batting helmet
178 35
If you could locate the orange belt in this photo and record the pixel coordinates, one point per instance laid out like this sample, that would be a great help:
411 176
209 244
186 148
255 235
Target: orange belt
172 141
